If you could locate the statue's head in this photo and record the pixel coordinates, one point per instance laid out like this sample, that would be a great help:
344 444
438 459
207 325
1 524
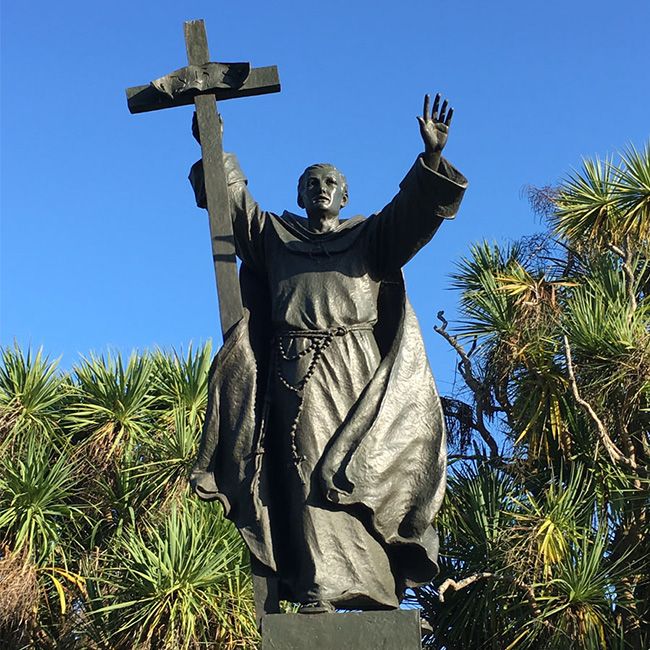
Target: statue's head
322 190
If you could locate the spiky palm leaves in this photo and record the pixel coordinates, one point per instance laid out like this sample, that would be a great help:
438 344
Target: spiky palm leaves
526 563
93 489
178 582
554 347
31 394
606 203
40 504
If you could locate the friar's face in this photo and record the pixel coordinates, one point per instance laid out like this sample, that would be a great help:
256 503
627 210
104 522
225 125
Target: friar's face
322 191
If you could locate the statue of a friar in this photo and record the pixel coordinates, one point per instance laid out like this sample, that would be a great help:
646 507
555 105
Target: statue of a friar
324 437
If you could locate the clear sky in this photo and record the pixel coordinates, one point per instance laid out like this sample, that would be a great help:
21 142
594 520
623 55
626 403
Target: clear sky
101 244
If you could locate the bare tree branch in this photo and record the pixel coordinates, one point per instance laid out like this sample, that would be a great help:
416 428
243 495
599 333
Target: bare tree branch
457 585
502 462
472 382
541 199
501 395
466 364
614 452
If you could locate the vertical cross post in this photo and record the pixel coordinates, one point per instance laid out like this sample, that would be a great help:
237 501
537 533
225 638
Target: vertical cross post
216 189
203 83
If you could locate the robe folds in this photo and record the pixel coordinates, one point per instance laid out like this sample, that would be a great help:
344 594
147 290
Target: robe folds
324 436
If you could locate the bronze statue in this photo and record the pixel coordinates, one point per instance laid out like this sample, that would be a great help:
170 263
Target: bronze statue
324 437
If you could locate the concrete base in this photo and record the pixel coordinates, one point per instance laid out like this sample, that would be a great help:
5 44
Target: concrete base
387 630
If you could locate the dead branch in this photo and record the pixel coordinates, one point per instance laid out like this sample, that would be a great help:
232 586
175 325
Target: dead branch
472 382
501 396
541 199
466 364
457 585
502 462
614 452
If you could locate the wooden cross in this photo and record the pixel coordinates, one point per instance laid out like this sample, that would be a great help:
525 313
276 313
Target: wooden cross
202 83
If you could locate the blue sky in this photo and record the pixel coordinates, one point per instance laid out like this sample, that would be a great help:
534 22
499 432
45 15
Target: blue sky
101 245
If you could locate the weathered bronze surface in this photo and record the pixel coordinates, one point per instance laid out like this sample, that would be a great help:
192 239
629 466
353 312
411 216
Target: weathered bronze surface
200 83
324 437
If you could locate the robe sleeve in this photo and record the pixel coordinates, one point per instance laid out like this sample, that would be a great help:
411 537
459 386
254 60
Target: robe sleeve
426 198
248 219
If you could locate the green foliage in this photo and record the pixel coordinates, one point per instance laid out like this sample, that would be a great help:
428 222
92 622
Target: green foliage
178 582
38 498
112 405
31 394
606 203
182 381
101 544
544 545
489 312
171 452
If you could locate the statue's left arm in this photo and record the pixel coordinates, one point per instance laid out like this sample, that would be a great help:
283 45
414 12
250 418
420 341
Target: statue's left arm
430 193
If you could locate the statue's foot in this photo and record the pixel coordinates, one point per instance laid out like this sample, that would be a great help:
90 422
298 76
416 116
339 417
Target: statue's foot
316 607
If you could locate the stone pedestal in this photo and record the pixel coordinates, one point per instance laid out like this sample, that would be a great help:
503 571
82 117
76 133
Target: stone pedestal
388 630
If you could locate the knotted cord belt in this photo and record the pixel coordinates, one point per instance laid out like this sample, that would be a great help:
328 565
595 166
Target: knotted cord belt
319 341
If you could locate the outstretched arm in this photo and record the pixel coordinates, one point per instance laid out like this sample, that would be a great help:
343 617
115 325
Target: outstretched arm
430 193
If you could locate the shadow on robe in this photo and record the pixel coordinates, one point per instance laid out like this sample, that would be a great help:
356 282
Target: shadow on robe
385 464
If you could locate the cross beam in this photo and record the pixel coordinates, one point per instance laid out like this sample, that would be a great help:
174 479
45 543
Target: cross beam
260 81
202 83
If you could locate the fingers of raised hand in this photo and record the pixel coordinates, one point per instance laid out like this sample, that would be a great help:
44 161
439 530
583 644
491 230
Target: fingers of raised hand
434 111
446 113
443 112
436 107
439 114
449 116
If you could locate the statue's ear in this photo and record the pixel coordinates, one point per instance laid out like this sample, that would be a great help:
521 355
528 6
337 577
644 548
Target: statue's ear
300 203
344 198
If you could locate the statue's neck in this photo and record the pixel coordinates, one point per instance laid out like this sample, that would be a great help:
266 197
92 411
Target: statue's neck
322 223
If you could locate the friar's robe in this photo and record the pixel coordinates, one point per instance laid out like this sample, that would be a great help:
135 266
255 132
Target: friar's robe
324 437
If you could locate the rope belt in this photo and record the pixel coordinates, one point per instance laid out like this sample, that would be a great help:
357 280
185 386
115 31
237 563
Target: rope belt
319 341
341 330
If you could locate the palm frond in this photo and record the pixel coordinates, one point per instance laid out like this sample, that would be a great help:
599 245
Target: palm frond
31 393
39 499
170 452
632 186
112 404
179 583
182 380
587 208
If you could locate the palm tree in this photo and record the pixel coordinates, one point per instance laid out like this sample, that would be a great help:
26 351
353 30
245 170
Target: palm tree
544 529
101 544
41 503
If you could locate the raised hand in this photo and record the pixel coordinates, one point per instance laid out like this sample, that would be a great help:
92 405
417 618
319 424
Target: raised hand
434 128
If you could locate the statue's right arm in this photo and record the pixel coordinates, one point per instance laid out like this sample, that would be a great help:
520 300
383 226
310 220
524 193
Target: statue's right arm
248 219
